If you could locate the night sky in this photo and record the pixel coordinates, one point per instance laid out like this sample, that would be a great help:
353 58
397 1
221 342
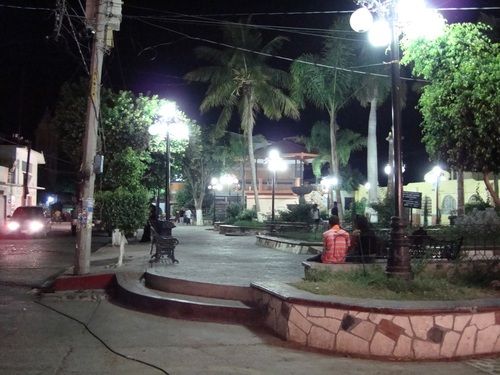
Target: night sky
148 58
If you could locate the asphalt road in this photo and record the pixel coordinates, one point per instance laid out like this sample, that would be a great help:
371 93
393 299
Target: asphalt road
31 261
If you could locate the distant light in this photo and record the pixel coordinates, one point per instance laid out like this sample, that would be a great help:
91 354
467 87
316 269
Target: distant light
380 33
168 110
388 169
361 20
367 186
329 181
50 200
274 161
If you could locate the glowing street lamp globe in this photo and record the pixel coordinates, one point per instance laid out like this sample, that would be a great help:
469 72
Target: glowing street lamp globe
361 20
379 34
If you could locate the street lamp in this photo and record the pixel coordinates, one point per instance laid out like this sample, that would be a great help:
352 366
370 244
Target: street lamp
393 17
275 164
434 177
214 186
169 125
329 183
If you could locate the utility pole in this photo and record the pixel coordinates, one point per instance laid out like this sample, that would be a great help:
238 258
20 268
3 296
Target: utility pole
102 16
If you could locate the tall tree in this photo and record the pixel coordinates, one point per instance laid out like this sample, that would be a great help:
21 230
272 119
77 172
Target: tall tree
199 161
347 143
372 93
244 81
328 89
460 106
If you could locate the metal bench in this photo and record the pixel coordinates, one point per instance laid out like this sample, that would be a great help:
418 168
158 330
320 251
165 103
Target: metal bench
427 247
164 248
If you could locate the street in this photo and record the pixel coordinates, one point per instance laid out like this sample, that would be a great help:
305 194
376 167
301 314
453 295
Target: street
31 261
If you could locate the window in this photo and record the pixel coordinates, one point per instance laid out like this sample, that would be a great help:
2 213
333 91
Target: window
449 204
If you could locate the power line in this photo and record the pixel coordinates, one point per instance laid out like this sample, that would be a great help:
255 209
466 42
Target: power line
25 7
278 56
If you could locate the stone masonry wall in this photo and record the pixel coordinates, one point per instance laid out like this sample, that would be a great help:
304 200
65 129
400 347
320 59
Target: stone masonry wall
397 336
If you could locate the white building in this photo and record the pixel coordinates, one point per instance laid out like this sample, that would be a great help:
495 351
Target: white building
13 163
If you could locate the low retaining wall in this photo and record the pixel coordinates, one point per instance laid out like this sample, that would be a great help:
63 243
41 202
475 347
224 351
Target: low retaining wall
291 246
227 229
408 330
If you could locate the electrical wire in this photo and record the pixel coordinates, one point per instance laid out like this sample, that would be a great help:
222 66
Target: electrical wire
278 56
85 325
25 7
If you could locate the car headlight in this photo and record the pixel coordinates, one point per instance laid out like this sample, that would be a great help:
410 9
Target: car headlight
35 226
13 225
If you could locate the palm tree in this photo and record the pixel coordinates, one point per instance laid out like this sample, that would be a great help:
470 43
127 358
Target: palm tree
240 79
347 143
373 92
326 88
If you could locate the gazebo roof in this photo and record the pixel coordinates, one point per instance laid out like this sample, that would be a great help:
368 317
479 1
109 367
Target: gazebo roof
287 149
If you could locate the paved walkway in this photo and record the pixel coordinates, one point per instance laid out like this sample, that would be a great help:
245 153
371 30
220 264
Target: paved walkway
206 256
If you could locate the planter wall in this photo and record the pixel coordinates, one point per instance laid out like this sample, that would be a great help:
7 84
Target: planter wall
400 331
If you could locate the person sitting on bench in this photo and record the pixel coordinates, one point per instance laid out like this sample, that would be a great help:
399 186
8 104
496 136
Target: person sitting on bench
336 242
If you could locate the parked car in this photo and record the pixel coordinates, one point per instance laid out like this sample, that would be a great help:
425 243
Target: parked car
29 220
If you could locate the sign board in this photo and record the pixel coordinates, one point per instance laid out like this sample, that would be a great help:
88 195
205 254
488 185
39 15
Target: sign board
412 199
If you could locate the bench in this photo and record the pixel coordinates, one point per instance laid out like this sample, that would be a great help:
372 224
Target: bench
164 248
428 247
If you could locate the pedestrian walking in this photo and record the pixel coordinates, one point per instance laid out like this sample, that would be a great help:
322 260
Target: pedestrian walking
187 216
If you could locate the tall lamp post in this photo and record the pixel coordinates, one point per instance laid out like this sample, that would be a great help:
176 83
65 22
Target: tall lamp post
402 14
275 164
434 177
329 183
214 186
169 126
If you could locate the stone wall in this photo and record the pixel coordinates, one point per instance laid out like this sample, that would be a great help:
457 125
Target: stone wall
367 332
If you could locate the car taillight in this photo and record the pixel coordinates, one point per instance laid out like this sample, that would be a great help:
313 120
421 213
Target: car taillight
13 225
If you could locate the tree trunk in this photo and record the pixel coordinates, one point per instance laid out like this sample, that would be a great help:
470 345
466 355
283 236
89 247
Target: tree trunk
254 172
335 162
460 193
122 249
372 158
247 122
491 190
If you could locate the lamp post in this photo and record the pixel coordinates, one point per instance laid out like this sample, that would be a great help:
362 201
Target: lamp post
402 14
168 126
329 183
275 164
214 186
434 177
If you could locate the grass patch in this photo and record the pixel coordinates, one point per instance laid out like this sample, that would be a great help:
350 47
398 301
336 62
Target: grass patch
248 224
303 236
375 284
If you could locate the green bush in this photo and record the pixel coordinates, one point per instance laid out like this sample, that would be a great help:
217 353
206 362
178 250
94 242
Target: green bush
123 209
232 212
247 215
385 210
297 213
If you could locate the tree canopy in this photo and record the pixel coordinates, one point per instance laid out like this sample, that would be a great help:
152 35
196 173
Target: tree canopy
460 106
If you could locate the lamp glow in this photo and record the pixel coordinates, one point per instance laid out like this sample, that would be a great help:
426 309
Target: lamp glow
379 34
387 169
361 20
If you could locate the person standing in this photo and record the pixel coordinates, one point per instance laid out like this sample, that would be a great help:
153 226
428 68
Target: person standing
336 242
315 214
187 216
335 209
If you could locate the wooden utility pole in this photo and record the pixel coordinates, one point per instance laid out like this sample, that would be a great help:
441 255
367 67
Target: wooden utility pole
102 16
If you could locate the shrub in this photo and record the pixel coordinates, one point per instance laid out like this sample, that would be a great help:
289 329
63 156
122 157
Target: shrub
297 213
232 212
247 215
385 210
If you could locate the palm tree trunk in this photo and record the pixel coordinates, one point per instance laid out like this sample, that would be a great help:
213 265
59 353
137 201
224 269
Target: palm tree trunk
372 158
460 193
254 170
335 162
248 121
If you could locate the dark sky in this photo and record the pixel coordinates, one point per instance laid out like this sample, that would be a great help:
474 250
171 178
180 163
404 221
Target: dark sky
149 59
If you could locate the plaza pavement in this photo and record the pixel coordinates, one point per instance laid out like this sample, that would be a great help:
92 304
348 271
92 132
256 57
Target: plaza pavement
41 341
